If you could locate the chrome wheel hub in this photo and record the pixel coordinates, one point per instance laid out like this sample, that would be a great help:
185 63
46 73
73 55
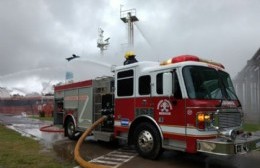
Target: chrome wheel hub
145 141
70 129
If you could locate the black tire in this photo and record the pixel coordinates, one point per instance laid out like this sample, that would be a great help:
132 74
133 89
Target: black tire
71 130
147 141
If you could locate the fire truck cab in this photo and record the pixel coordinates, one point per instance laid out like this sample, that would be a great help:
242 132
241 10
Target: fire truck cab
185 103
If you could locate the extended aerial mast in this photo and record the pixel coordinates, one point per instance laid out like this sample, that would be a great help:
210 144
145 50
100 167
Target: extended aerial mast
129 16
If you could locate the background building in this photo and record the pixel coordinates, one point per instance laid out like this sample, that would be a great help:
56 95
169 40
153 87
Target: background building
4 93
247 85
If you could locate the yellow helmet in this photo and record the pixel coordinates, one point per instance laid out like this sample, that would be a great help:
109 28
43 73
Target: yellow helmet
129 54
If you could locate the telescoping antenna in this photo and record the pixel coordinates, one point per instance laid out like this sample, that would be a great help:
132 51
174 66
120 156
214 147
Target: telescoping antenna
101 43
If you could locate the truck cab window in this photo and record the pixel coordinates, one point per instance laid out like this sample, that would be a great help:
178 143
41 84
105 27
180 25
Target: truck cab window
159 83
208 83
176 90
125 83
144 87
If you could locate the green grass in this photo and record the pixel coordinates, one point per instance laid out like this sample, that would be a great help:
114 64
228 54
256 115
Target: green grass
23 152
251 127
42 118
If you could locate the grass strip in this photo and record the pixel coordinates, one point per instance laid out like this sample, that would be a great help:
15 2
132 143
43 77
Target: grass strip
23 152
41 118
251 127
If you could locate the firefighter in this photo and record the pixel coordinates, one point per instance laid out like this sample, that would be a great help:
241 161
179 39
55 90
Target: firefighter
130 58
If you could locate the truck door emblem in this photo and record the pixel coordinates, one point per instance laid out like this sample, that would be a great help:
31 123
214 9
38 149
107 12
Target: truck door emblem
164 107
189 112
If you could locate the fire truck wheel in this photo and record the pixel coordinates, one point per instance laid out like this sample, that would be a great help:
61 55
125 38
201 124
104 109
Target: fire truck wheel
71 130
147 141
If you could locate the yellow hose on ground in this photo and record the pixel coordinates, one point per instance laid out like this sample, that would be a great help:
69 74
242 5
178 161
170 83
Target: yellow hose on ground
83 163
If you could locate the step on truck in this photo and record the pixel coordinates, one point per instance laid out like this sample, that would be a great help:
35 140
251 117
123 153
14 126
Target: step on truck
185 103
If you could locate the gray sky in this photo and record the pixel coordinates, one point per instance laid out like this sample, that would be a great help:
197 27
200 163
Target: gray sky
37 35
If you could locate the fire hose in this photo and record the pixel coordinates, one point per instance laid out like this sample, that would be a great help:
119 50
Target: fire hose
49 128
83 163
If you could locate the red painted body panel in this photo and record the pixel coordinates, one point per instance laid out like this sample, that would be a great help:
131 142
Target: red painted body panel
175 116
73 85
174 136
124 108
181 115
194 106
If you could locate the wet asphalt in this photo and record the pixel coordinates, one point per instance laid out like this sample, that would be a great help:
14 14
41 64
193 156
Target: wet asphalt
63 148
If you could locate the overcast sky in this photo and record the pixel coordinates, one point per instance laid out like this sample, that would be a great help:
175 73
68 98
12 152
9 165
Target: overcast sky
37 35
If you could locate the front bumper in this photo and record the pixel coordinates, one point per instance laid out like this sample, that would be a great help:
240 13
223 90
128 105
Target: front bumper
221 146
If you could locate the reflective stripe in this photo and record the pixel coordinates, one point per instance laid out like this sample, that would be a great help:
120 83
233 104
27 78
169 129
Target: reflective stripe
171 129
190 131
118 123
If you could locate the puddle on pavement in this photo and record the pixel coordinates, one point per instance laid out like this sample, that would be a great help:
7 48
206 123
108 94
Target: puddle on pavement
60 146
89 150
26 130
49 140
64 149
31 128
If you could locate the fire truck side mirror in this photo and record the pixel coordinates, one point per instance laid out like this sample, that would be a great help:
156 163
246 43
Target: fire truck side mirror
167 84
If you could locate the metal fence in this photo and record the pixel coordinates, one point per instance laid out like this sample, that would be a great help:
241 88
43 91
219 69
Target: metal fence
247 85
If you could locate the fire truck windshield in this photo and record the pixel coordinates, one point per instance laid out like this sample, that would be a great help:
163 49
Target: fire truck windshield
208 83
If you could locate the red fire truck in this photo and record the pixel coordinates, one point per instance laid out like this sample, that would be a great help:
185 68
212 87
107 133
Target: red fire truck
185 103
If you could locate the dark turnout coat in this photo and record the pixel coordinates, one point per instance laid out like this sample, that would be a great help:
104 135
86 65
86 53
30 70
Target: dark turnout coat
130 60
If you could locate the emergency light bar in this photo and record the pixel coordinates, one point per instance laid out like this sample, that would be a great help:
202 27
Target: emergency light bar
183 58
